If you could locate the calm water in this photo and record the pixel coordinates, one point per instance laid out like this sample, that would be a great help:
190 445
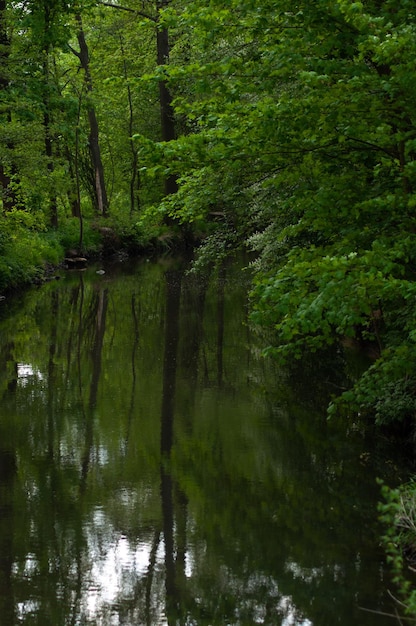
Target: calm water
154 470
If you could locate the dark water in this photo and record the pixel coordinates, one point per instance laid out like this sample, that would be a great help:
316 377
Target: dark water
154 470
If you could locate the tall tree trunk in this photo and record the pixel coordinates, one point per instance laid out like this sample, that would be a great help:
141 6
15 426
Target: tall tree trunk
7 193
100 191
53 208
167 117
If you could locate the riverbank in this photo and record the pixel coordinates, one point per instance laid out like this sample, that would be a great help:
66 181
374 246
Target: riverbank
30 257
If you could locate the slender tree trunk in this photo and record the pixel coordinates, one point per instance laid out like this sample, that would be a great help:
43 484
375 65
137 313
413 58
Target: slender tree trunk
100 191
48 140
73 196
135 178
53 215
73 192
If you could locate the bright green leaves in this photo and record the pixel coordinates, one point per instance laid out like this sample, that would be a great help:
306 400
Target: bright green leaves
296 137
314 298
398 516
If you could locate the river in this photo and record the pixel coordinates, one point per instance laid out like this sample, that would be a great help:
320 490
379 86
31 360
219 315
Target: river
156 470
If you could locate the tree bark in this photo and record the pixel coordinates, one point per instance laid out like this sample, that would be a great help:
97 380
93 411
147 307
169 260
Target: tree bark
167 117
7 193
100 191
48 141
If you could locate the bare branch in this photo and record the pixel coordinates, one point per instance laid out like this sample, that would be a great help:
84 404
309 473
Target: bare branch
363 608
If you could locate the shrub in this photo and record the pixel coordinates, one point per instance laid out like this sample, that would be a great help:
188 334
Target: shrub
398 514
69 236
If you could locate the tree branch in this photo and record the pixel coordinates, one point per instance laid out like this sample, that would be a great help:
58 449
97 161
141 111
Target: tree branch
74 51
372 146
122 8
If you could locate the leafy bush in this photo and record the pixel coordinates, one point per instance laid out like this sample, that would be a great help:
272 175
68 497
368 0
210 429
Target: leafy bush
398 514
69 236
24 252
134 235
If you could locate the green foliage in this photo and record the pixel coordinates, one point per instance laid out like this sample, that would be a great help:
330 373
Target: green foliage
130 235
24 252
295 138
69 233
398 516
300 130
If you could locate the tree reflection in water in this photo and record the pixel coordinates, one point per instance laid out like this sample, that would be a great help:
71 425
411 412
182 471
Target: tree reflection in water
154 470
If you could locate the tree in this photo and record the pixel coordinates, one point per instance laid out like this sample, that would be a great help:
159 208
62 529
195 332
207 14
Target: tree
154 16
167 118
8 195
98 181
303 148
33 105
47 13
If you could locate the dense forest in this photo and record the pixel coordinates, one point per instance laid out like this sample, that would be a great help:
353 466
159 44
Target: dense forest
284 128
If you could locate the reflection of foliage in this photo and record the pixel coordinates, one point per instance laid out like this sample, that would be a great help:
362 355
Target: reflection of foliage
271 506
57 334
291 476
311 506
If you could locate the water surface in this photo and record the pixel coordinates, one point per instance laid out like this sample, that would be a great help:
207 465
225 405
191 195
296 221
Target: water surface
155 470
